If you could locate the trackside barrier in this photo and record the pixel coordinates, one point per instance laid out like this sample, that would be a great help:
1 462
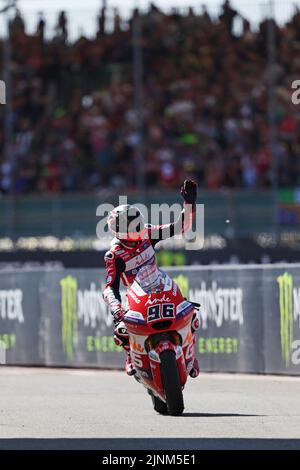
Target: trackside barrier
250 318
2 354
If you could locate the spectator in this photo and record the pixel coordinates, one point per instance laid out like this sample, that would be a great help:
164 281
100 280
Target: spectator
101 23
205 105
62 26
227 16
17 25
41 27
117 21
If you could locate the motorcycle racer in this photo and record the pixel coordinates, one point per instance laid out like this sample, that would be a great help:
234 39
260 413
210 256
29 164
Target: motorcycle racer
132 249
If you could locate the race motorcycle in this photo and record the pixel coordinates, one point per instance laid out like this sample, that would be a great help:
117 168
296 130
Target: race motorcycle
161 342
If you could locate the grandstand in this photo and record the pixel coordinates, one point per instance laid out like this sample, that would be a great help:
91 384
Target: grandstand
127 111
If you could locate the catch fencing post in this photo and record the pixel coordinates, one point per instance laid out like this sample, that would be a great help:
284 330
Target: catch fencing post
2 354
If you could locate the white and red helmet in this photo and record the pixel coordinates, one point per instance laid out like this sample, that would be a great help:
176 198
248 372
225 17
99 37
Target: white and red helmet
126 222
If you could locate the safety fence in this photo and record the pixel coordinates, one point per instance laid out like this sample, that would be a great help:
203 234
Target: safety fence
250 212
250 318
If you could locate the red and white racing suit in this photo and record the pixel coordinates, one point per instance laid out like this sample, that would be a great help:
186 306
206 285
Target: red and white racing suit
123 262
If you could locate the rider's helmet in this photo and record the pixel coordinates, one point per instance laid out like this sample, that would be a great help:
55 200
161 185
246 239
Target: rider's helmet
126 222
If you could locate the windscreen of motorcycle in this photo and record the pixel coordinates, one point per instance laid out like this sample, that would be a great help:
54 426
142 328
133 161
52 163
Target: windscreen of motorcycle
150 278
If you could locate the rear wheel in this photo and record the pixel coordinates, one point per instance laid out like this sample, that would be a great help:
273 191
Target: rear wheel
171 383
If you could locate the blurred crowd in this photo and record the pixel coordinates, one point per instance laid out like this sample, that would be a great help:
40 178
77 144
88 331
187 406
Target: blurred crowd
78 123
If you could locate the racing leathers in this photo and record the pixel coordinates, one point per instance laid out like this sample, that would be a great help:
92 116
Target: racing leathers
124 260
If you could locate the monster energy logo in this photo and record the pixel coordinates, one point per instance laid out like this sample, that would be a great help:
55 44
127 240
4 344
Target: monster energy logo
285 282
69 314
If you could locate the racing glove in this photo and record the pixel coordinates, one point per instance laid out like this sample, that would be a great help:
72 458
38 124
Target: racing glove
189 191
118 315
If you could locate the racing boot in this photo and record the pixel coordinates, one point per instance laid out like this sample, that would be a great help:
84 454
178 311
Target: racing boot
195 370
195 323
129 368
121 338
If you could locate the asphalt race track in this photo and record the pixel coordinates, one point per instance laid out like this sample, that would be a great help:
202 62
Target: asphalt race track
87 409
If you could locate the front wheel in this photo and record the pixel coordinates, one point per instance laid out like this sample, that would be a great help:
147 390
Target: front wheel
171 383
